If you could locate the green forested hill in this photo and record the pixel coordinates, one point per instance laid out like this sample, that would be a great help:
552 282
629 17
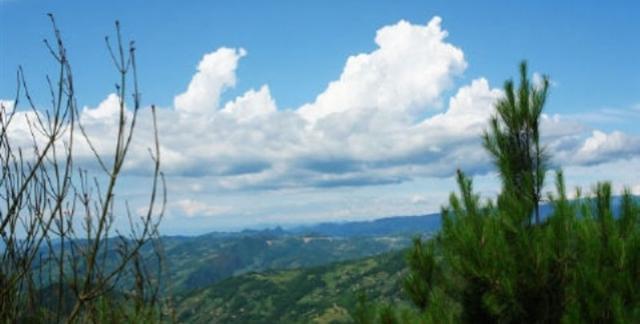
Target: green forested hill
197 262
321 294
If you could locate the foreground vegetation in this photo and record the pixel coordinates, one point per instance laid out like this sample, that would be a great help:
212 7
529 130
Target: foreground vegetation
499 262
61 259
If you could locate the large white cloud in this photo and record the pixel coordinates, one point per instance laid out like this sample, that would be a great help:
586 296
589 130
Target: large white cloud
409 70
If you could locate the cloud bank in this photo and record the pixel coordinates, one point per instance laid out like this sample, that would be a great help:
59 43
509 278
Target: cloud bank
388 118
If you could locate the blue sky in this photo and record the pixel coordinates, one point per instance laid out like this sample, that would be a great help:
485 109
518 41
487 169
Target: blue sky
270 170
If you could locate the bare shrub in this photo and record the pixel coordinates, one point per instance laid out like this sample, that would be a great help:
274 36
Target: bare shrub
62 258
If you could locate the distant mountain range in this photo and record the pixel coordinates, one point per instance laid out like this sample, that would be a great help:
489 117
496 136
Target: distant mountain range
394 225
398 225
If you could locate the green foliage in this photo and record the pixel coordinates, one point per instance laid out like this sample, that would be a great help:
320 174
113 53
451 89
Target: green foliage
363 313
581 265
513 140
420 280
490 265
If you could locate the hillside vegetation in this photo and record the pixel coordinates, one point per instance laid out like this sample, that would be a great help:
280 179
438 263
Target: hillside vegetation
196 262
320 294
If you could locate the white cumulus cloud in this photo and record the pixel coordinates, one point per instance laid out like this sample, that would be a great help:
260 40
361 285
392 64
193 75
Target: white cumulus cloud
600 146
409 70
216 72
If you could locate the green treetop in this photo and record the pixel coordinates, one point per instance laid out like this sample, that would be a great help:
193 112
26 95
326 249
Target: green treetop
513 140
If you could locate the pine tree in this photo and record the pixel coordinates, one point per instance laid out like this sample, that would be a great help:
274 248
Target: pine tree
513 140
488 265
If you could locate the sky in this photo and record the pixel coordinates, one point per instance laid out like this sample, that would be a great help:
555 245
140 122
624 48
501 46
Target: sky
286 113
